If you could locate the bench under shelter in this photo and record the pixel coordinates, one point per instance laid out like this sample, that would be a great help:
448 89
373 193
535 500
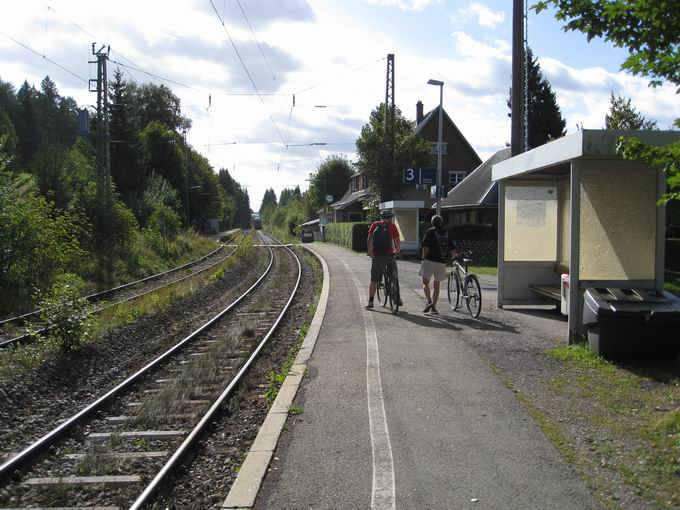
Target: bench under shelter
574 207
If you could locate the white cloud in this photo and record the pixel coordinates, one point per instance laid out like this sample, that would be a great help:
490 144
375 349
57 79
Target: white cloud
406 5
324 52
485 16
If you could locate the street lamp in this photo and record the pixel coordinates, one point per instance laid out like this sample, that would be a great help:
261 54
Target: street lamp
439 144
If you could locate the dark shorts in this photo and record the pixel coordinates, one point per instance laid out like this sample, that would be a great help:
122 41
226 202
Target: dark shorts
378 264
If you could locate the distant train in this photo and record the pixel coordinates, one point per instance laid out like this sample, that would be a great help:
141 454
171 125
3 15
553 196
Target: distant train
257 223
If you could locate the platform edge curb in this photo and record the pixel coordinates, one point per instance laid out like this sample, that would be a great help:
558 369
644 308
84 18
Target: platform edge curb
245 488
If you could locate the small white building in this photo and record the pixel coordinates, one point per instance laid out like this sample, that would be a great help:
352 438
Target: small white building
406 216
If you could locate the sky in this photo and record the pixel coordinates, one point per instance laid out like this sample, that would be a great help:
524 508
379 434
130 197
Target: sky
330 55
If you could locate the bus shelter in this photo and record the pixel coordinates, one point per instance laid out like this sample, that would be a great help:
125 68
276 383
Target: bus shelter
573 215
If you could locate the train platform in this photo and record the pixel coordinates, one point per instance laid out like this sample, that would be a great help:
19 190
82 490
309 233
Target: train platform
400 412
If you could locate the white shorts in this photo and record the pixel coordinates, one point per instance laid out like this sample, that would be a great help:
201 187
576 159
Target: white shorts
428 269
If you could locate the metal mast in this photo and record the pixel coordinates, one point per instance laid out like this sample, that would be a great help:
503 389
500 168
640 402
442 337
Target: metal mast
517 100
103 138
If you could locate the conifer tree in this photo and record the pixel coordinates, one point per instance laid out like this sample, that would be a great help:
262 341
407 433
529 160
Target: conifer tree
545 120
623 115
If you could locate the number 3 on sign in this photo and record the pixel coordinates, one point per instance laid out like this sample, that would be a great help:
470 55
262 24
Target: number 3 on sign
410 175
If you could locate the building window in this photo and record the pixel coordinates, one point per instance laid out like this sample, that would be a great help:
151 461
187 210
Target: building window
433 148
455 178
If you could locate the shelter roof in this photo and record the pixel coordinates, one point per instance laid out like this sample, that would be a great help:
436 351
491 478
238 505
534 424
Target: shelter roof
477 188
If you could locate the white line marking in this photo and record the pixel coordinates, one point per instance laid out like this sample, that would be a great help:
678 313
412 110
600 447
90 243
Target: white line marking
383 492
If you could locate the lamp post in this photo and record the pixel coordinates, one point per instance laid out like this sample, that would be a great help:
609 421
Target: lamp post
439 143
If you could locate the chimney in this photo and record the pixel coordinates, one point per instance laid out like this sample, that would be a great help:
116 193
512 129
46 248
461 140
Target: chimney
419 112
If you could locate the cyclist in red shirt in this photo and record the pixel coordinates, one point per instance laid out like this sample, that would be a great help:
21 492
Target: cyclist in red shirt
383 243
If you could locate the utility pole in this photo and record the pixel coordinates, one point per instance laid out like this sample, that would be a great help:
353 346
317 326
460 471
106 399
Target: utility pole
104 198
517 100
186 178
104 195
388 138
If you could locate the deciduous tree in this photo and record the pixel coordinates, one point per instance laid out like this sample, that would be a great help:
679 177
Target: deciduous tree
648 29
382 162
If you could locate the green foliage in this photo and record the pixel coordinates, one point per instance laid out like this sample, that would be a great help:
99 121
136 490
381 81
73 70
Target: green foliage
623 115
349 235
383 163
158 192
38 242
545 121
165 222
240 199
665 157
268 201
162 153
66 314
648 29
332 177
217 275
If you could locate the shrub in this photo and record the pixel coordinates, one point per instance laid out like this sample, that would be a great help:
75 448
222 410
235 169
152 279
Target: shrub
37 240
165 221
350 235
66 313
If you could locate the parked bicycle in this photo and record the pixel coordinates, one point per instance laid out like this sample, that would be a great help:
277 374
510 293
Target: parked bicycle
388 289
463 285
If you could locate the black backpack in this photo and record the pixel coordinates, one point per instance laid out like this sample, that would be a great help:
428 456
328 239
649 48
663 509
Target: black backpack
381 238
442 243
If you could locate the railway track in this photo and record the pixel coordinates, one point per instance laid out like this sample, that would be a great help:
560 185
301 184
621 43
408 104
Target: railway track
13 331
120 450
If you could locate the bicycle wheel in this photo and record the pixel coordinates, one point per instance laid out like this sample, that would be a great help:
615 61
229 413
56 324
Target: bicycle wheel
473 295
453 291
394 295
386 289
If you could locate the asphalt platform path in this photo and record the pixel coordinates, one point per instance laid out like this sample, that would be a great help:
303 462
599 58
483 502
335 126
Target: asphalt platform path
400 413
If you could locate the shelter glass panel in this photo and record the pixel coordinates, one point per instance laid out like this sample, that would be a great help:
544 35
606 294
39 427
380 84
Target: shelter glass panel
530 223
618 224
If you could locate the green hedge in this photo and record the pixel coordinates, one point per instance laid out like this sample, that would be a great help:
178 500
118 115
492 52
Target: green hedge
349 235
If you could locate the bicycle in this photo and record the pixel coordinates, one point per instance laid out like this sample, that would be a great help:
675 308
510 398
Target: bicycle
465 285
388 289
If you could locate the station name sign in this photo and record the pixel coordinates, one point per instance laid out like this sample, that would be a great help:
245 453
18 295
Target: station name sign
420 176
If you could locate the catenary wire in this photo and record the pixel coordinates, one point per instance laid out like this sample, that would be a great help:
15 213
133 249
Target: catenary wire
44 57
258 42
245 68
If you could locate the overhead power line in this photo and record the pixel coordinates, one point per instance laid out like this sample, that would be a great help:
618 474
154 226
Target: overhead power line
245 68
341 75
258 42
44 57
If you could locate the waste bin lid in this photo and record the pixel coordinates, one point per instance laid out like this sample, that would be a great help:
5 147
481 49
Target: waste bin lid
631 302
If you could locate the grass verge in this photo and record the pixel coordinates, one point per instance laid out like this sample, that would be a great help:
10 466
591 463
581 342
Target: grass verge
15 360
635 410
487 270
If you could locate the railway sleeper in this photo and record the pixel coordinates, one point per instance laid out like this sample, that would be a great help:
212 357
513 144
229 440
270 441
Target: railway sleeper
120 455
118 480
137 434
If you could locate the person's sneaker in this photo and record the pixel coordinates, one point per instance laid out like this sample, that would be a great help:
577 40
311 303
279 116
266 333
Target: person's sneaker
434 311
428 308
369 305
